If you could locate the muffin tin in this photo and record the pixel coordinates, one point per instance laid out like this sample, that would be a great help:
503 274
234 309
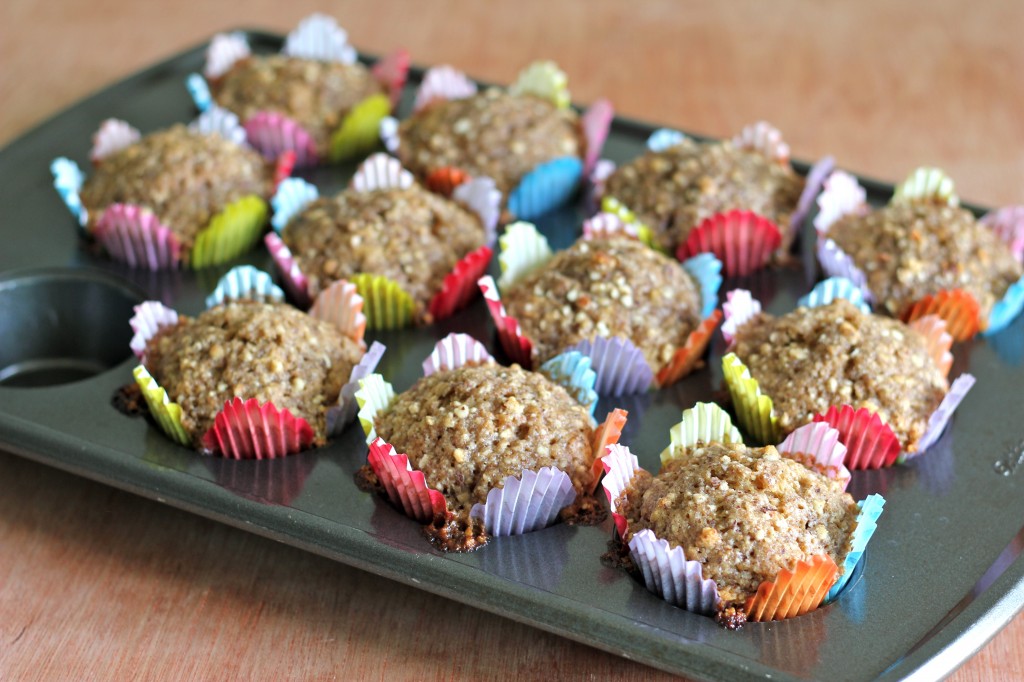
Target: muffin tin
943 573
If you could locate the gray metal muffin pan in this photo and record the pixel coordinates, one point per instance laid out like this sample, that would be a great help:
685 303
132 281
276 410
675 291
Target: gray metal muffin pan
941 576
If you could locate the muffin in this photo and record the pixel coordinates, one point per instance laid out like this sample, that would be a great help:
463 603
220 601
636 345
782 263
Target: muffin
915 248
737 532
182 176
475 449
268 351
745 514
613 287
314 98
526 138
675 189
639 316
387 227
814 358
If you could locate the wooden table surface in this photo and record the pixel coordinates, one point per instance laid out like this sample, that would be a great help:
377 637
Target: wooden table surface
99 584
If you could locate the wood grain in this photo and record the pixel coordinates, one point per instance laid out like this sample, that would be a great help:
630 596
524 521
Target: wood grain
99 584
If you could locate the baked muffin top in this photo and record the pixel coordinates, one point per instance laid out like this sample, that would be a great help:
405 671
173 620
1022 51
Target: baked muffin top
674 190
492 134
469 428
614 287
184 177
315 94
412 236
814 358
268 351
744 513
909 250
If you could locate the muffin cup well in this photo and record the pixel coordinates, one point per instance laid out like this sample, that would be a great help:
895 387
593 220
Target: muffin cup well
522 503
870 443
843 195
667 572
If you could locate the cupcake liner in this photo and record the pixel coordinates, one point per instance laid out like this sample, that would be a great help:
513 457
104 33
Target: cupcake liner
835 263
482 197
928 185
620 366
620 465
295 283
283 167
199 90
391 72
706 269
380 171
944 412
459 285
166 413
571 370
444 180
113 136
669 575
644 233
742 240
595 122
664 138
388 133
813 184
454 351
358 133
292 197
764 138
319 37
957 307
937 340
841 195
828 290
867 523
386 304
545 80
793 592
1008 224
248 430
870 443
523 250
605 436
217 121
702 423
1006 309
687 358
224 51
339 415
67 180
515 344
273 134
546 187
407 489
149 318
607 225
373 395
443 83
754 410
598 176
244 282
816 446
525 504
135 236
740 307
232 232
342 306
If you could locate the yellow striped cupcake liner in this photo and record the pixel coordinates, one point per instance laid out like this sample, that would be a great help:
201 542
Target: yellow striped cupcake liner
374 395
230 233
358 133
643 233
753 409
166 413
702 423
385 303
